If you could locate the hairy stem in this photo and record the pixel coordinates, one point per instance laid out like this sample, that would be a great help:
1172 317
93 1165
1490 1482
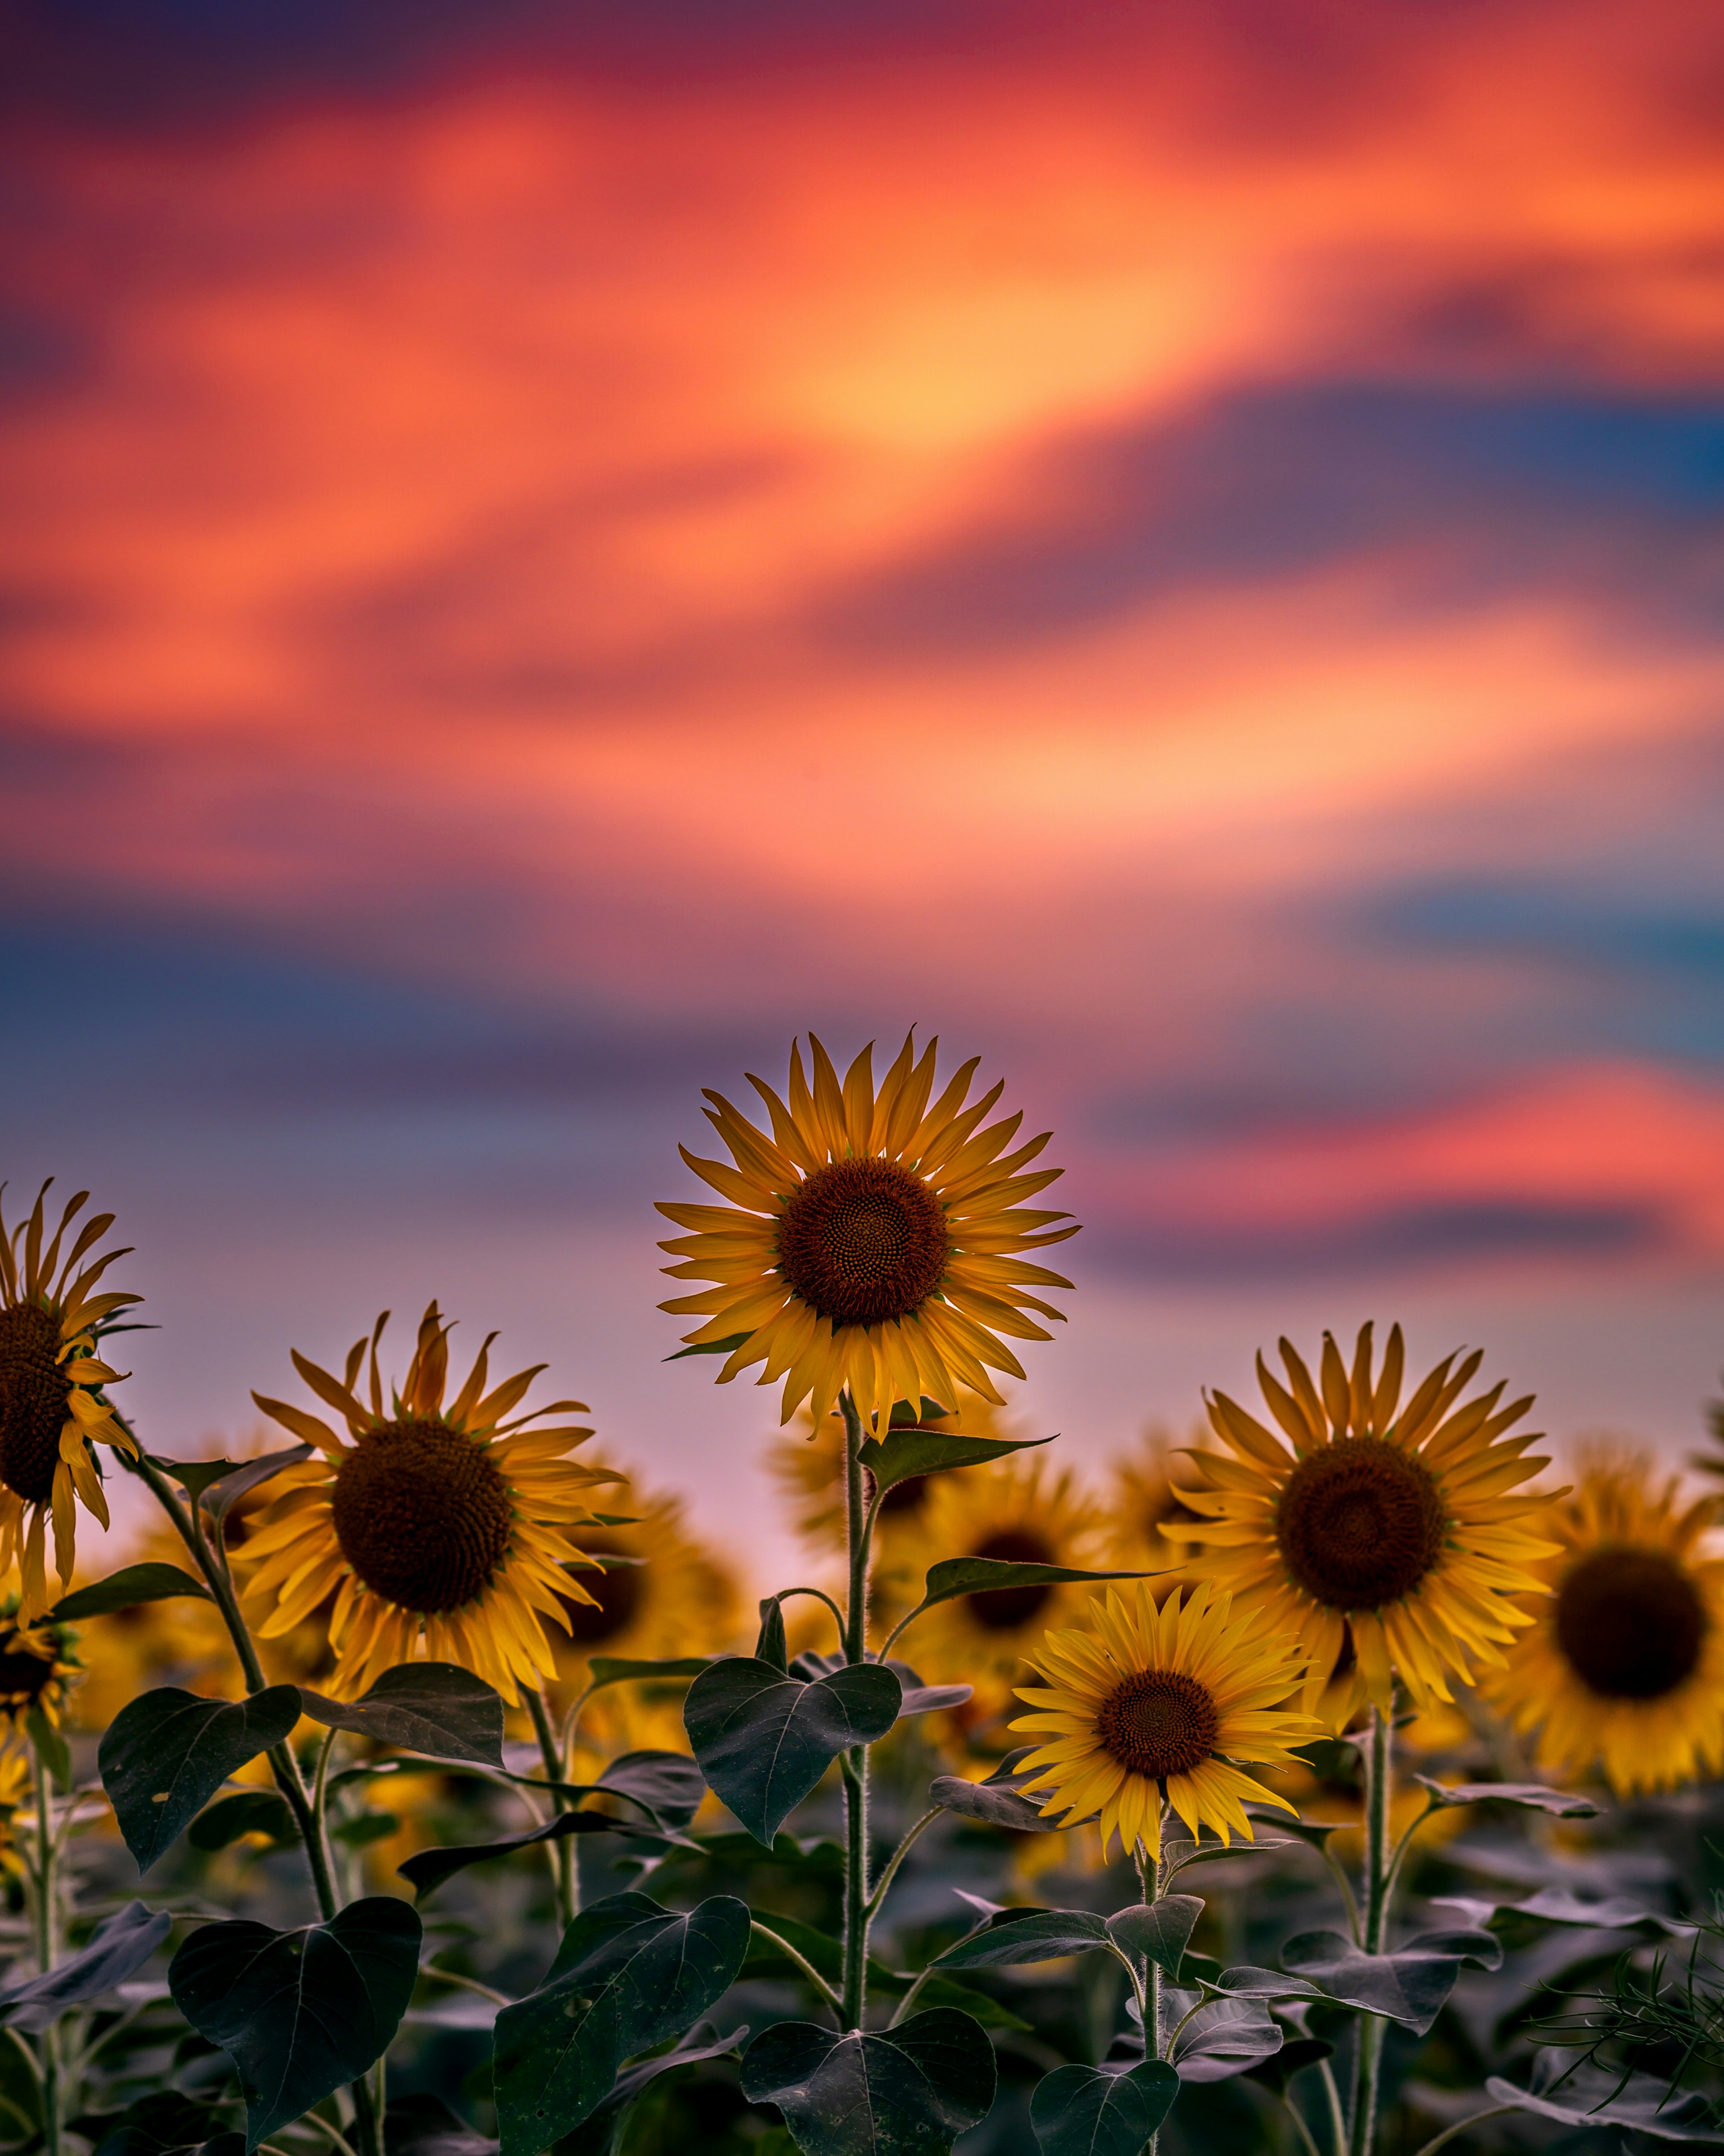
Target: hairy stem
566 1879
855 1761
1367 2058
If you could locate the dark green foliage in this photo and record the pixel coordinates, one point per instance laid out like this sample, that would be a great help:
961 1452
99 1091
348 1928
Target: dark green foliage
1410 1985
764 1739
1077 2111
116 1951
167 1751
251 1811
904 1454
903 2092
125 1590
434 1708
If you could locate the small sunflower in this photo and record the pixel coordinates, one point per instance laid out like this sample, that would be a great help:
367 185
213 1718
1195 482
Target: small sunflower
40 1663
51 1402
447 1526
1157 1706
1017 1512
872 1242
1625 1663
1384 1545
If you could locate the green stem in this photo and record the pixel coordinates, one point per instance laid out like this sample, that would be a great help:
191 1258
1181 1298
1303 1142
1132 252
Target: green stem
47 1915
855 1761
1337 2117
1464 2126
897 1857
566 1879
1368 2057
802 1962
1149 1871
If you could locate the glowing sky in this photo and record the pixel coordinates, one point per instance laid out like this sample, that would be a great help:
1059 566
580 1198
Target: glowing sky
1180 549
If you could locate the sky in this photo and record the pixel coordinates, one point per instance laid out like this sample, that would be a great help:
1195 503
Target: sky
549 550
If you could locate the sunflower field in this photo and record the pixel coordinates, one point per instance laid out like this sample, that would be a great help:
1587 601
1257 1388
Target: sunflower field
1330 1783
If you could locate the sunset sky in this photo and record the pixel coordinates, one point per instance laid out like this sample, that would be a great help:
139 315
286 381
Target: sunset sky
1178 548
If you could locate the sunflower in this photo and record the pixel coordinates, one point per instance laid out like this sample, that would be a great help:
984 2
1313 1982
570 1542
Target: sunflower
1146 1517
15 1793
1157 1706
1383 1545
444 1526
51 1402
1017 1512
1625 1663
40 1663
871 1242
661 1595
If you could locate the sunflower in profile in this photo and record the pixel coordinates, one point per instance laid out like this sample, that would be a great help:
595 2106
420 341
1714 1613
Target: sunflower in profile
1146 1517
874 1241
1163 1706
40 1663
1384 1543
1016 1511
1623 1665
51 1403
445 1526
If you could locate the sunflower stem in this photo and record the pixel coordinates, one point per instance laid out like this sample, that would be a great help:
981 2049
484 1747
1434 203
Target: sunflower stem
1367 2057
46 1882
855 1760
564 1876
1149 1871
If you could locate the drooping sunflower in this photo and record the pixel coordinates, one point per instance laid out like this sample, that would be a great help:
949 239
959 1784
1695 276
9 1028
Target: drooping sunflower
442 1526
1385 1544
872 1242
1017 1512
52 1407
40 1663
1163 1705
1623 1665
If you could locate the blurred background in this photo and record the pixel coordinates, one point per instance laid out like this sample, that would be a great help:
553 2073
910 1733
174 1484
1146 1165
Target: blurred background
1178 548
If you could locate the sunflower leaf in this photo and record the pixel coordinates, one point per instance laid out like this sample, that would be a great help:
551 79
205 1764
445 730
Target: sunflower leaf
999 1799
220 1499
903 2092
906 1453
300 2013
764 1739
438 1708
919 1698
1221 2037
1012 1936
428 1868
604 1670
117 1950
1410 1985
1531 1796
1158 1931
425 2126
126 1589
629 1974
167 1753
593 2137
1080 2111
1595 2097
250 1811
196 1476
727 1346
771 1646
985 1575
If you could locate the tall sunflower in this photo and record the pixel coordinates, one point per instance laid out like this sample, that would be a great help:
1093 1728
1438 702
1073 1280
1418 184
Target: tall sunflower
1165 1705
872 1242
445 1526
1623 1665
1017 1512
1385 1544
52 1407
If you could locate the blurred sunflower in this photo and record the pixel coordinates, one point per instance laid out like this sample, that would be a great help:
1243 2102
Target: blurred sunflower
1623 1665
872 1242
15 1793
51 1402
1382 1545
447 1526
1017 1512
1156 1706
40 1663
663 1595
1147 1515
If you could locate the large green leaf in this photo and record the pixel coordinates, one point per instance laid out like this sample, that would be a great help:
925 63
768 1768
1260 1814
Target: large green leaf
764 1739
125 1590
300 2013
986 1575
438 1708
618 1669
1077 2111
629 1974
1012 1936
1158 1931
903 2092
1599 2100
167 1751
594 2136
116 1951
427 1868
904 1454
1410 1985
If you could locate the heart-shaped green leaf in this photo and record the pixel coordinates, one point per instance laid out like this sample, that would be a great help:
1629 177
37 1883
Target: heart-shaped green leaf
1076 2110
125 1590
764 1739
1158 1931
116 1951
1410 1985
629 1974
903 1455
438 1708
903 2092
300 2013
1223 2036
167 1753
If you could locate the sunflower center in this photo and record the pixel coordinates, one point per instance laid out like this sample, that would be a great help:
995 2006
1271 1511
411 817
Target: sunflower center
1359 1523
862 1240
422 1515
617 1595
1630 1623
1005 1608
1158 1723
34 1393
